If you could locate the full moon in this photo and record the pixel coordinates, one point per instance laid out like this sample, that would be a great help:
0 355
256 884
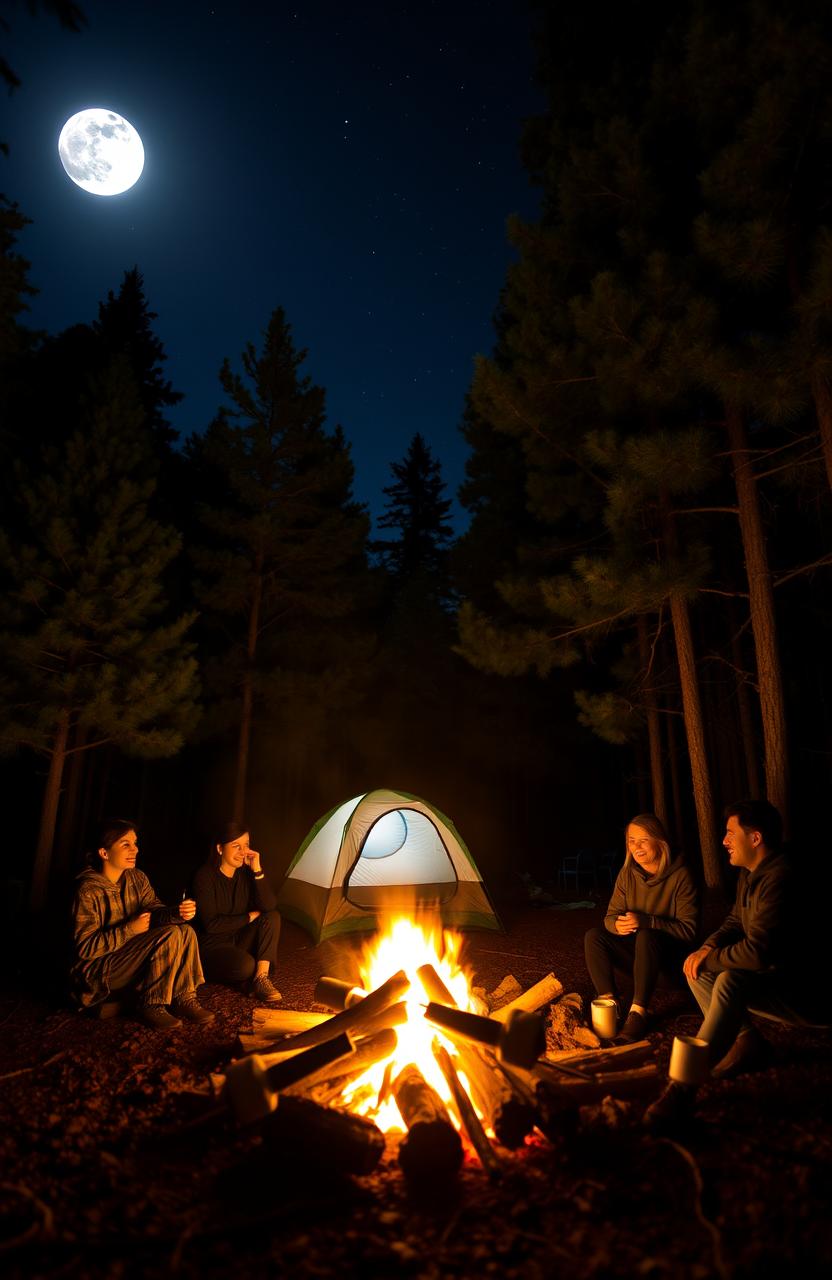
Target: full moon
101 151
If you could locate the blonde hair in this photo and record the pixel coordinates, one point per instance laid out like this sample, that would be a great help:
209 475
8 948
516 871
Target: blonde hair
655 830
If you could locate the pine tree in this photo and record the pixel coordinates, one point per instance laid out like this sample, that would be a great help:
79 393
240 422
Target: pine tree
419 512
89 658
125 327
284 556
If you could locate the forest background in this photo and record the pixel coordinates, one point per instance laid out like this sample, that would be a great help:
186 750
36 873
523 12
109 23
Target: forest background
638 613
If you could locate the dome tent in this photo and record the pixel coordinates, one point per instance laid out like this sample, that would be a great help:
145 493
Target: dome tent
383 852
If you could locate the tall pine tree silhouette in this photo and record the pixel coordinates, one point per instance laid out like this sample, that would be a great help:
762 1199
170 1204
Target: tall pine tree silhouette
285 551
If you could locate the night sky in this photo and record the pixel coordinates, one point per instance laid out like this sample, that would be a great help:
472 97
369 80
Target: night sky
354 163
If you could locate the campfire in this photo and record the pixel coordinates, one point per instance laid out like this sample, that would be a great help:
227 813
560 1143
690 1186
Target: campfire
413 1048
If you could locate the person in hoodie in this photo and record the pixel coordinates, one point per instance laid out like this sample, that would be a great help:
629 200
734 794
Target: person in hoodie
651 920
126 938
237 920
759 960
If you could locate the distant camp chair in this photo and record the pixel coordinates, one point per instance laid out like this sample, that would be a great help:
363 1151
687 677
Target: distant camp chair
608 865
575 866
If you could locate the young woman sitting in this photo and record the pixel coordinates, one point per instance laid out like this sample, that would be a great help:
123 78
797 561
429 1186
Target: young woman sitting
651 920
238 926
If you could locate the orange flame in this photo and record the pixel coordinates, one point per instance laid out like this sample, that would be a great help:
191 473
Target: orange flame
407 945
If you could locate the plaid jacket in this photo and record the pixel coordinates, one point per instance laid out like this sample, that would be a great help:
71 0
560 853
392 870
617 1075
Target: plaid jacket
101 912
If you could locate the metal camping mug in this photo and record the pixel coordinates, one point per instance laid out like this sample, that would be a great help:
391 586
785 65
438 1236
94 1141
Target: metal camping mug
604 1018
689 1060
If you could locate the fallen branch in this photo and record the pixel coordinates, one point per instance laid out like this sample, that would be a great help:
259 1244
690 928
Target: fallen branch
37 1066
722 1267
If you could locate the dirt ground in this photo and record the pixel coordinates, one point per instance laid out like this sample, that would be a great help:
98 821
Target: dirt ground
104 1174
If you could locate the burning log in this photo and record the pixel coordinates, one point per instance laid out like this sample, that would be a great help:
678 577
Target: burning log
519 1041
510 1116
432 1150
471 1123
369 1013
251 1085
395 1015
335 1079
320 1137
536 997
338 995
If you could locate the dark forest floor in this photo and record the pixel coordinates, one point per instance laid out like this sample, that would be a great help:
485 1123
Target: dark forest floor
95 1168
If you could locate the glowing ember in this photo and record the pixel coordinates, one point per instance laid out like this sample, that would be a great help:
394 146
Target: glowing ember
407 946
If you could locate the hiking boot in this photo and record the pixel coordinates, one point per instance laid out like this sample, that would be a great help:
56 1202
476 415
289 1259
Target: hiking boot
672 1110
749 1052
635 1026
264 991
189 1008
157 1017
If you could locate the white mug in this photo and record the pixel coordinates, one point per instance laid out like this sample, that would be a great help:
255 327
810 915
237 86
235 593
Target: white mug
604 1017
689 1060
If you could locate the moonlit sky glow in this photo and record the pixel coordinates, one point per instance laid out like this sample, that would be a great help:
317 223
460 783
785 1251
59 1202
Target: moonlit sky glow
354 164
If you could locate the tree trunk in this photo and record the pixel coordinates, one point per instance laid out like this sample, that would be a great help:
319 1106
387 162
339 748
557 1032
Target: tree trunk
247 706
763 625
747 731
823 408
49 814
71 819
695 730
653 726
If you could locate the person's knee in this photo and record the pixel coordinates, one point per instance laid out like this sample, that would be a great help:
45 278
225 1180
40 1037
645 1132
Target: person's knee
647 942
241 967
269 920
593 937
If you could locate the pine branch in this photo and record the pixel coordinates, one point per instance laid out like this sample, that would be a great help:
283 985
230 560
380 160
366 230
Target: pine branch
806 568
690 511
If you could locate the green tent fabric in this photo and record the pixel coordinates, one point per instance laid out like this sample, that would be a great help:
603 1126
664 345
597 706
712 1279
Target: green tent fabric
382 853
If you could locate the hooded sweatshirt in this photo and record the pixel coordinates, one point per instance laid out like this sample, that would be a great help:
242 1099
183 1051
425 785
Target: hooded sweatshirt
101 913
669 898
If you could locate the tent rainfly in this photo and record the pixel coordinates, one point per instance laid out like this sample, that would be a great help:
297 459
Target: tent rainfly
381 853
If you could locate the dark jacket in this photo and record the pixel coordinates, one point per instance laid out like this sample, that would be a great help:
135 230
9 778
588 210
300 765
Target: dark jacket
669 898
223 902
759 933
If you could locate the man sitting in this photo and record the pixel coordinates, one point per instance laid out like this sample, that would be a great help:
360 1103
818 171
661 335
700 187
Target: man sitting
750 964
125 937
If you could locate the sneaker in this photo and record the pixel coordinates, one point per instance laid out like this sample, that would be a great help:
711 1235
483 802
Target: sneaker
672 1110
749 1052
189 1008
634 1028
157 1017
264 990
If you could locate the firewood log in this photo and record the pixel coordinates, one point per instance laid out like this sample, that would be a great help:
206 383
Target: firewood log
431 1152
356 1018
368 1052
285 1022
469 1119
639 1082
304 1133
510 1117
536 997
